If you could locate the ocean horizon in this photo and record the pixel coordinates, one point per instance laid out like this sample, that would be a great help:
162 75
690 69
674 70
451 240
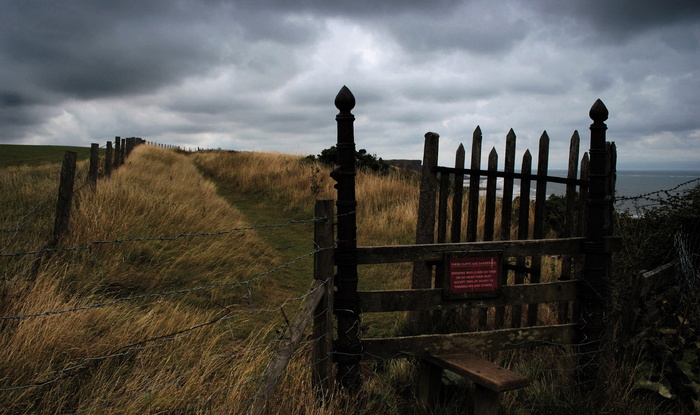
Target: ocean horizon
632 184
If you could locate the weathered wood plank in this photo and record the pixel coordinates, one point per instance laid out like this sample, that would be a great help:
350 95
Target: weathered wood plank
431 298
322 369
583 197
473 208
538 225
456 233
425 228
507 201
289 343
474 342
443 195
570 221
523 229
480 371
489 221
490 211
435 252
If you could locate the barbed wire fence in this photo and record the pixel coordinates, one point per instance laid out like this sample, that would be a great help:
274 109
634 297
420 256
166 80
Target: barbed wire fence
278 310
225 315
656 198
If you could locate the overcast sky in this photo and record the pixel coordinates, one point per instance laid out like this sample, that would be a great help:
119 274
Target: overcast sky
262 74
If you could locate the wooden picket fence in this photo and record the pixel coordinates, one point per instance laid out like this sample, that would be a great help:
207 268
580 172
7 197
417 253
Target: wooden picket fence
447 233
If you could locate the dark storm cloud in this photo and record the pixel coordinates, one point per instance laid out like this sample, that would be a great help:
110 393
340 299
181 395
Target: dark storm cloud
81 50
86 49
263 74
619 20
104 48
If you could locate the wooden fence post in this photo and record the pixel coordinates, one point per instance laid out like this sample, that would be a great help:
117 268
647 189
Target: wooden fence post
506 212
108 159
122 156
570 220
117 152
425 226
523 229
538 226
130 143
63 206
594 291
94 165
456 232
65 196
322 369
348 349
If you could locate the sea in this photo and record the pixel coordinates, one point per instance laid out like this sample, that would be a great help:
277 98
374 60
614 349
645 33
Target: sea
635 190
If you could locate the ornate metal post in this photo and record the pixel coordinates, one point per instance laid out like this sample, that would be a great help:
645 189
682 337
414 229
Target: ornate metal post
594 289
348 349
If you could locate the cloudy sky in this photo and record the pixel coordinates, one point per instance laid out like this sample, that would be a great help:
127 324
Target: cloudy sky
262 74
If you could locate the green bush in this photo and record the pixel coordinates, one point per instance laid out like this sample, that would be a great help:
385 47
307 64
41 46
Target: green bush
363 160
668 344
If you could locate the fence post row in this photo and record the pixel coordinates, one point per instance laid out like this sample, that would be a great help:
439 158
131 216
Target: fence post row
348 349
65 189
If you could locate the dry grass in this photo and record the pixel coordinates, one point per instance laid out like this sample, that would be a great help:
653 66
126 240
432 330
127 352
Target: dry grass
135 356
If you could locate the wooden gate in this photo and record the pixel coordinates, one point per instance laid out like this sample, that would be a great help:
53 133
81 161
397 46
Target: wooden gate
493 277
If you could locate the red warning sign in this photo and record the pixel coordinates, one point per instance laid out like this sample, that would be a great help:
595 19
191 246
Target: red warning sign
473 274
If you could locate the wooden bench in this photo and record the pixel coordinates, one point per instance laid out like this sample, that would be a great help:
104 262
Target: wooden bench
489 379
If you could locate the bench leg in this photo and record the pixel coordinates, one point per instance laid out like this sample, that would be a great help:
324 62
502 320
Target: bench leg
485 401
429 383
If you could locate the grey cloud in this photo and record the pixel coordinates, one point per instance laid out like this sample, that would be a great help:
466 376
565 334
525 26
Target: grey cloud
263 74
353 8
620 20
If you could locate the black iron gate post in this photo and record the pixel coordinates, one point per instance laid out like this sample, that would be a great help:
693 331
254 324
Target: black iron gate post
594 289
348 349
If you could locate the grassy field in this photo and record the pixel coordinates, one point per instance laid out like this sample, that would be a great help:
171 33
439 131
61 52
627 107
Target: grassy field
27 155
146 321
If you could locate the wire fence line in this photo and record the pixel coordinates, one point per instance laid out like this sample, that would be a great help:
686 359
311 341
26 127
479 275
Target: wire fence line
30 214
168 293
160 238
658 196
226 314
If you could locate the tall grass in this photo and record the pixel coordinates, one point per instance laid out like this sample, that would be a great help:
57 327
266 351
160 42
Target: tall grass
141 356
135 356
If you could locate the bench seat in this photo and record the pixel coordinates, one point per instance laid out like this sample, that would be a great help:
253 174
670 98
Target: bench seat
489 379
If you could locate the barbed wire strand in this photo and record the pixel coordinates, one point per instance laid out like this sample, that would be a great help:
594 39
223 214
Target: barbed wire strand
168 238
166 293
649 195
74 369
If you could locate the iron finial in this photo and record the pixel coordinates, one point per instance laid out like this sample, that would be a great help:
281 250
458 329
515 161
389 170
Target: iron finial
598 112
345 100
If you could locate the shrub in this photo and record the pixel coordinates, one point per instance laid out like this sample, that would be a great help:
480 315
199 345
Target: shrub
363 160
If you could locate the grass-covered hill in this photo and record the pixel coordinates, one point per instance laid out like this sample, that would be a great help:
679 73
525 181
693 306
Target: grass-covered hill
177 276
26 155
